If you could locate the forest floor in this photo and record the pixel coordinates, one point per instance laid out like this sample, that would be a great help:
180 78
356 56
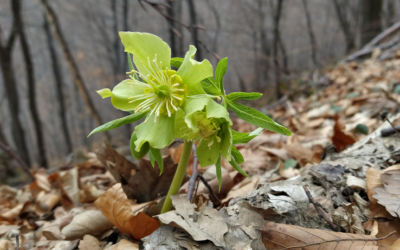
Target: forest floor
332 185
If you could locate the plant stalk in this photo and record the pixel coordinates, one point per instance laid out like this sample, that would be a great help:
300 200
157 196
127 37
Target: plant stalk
178 177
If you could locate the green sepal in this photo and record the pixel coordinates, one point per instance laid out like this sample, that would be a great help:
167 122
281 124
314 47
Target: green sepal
219 173
220 72
156 155
237 155
117 123
130 64
210 86
152 159
236 166
257 118
143 150
176 62
243 96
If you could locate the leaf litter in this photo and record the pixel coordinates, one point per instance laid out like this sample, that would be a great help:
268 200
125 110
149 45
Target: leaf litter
330 185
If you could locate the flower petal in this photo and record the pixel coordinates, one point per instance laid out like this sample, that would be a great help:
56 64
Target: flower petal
208 155
190 106
120 94
145 46
215 110
192 72
159 134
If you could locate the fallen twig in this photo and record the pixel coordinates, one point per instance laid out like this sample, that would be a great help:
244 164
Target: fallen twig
318 207
390 131
217 201
193 178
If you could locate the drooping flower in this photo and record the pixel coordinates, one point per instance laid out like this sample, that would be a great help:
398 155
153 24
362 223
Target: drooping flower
207 121
161 91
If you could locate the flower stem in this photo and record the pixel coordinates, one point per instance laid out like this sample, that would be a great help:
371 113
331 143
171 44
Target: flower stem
178 177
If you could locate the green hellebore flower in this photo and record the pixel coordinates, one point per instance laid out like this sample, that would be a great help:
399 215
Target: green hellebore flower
162 92
209 122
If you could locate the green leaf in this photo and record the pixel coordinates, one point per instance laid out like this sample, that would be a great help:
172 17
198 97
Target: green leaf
210 86
291 163
361 128
152 158
133 74
220 72
238 168
219 173
237 155
243 95
143 150
176 62
257 118
117 123
244 137
156 153
145 48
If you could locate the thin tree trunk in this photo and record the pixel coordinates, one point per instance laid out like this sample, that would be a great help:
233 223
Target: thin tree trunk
311 34
193 25
371 20
30 79
175 30
344 24
214 10
125 8
58 83
277 18
116 42
78 80
12 94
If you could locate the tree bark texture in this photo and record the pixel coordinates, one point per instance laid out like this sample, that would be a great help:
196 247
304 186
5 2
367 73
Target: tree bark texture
311 34
59 85
30 80
371 20
78 80
12 94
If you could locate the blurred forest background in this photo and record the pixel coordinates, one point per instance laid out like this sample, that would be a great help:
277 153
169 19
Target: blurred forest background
55 54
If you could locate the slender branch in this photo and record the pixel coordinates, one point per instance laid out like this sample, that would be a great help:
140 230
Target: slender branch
318 207
217 201
178 177
193 178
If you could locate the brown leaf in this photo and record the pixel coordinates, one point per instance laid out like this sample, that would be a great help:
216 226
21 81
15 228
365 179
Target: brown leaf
389 196
89 243
117 209
340 138
124 245
281 236
141 182
88 222
301 154
52 230
6 245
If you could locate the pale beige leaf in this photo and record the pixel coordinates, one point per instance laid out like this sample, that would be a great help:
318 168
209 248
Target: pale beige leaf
124 245
242 188
90 243
389 195
117 209
395 246
281 236
88 222
52 230
69 182
6 245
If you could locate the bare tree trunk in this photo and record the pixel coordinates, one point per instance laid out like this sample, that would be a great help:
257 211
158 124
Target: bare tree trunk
277 18
265 52
116 42
175 30
214 10
388 13
345 25
371 20
193 25
311 34
58 83
78 80
125 7
30 80
12 93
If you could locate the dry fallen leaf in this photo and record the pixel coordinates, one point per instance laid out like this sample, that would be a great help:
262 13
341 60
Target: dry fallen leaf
6 245
206 224
281 236
340 138
389 196
89 243
117 209
88 222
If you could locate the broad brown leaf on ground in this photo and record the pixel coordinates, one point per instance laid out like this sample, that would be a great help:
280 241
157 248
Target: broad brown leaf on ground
340 138
117 209
142 181
88 222
89 243
281 236
301 154
389 195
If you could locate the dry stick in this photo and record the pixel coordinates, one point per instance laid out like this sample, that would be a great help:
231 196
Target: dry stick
156 6
216 199
24 167
318 207
193 178
389 131
395 130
